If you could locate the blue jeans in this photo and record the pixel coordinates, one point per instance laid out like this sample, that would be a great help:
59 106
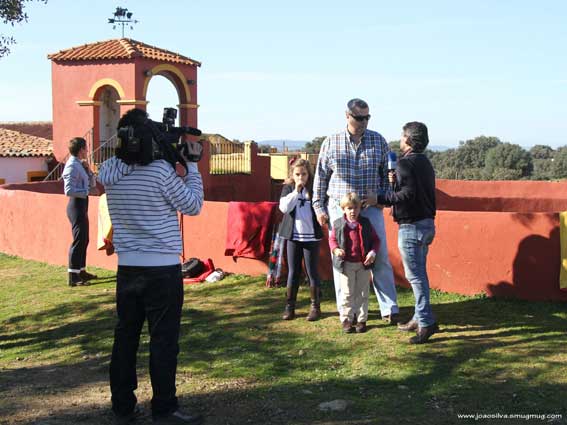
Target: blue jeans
382 273
413 241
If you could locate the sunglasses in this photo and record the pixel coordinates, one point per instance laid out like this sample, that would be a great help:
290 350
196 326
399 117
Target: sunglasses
360 118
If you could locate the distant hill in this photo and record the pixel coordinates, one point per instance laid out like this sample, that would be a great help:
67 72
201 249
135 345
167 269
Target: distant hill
290 145
438 148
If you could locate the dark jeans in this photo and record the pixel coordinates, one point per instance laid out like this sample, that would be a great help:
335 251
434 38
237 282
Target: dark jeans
155 293
77 212
295 252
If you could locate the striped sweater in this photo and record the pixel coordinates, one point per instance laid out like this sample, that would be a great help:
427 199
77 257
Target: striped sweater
143 201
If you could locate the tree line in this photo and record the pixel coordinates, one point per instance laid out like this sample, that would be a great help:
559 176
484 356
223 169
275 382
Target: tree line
488 158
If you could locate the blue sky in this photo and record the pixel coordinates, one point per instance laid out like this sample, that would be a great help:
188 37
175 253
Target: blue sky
285 70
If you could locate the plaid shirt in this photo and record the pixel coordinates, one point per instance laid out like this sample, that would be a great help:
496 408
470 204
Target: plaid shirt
343 168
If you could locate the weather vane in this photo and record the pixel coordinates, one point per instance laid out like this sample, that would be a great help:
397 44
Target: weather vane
122 17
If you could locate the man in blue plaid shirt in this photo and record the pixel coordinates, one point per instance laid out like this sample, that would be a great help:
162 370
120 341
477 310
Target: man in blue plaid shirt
355 160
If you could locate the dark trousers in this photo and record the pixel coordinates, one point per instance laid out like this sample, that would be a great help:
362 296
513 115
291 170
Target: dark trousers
155 293
77 212
295 252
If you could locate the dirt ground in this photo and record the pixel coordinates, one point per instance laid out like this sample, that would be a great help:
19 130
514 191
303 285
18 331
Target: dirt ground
79 394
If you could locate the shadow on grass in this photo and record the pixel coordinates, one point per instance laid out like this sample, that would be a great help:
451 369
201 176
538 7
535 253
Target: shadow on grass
239 365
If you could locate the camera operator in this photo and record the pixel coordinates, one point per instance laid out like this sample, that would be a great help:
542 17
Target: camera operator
143 201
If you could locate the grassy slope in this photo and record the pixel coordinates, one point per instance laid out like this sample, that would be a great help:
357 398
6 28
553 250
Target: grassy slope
239 363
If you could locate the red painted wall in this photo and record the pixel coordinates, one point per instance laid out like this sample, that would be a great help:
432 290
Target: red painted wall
71 82
498 253
512 196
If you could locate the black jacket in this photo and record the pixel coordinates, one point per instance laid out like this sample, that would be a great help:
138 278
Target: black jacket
286 226
365 233
413 197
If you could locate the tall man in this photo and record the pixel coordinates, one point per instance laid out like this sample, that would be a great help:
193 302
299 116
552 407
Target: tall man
355 160
78 183
143 201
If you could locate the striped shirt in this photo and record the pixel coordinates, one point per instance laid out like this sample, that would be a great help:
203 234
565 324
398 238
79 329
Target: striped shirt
143 201
343 167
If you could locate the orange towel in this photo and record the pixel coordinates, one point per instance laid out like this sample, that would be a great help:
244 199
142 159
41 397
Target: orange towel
104 239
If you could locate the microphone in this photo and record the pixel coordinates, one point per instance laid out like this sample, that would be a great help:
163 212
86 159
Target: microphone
392 161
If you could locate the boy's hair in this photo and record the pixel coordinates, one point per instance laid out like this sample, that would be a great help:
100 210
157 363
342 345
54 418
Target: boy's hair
76 144
351 199
417 135
300 162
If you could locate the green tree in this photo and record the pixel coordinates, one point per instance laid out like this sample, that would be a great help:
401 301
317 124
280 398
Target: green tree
542 152
507 156
542 169
506 174
315 145
472 153
559 167
12 12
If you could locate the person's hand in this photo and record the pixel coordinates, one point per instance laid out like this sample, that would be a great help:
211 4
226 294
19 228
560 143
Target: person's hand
371 200
192 151
180 170
298 187
392 176
323 219
370 257
339 252
86 166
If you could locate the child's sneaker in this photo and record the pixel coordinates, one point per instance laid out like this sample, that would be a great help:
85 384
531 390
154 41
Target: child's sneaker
360 327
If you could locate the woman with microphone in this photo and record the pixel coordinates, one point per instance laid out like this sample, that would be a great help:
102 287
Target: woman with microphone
413 201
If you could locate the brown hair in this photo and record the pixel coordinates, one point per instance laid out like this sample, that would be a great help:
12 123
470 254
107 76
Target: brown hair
76 144
351 199
300 162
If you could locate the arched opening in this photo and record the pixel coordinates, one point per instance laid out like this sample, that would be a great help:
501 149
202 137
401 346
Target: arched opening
109 113
162 93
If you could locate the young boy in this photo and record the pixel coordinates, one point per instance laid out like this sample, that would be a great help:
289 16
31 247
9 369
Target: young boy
354 245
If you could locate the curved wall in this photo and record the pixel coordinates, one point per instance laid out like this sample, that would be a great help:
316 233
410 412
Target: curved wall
512 254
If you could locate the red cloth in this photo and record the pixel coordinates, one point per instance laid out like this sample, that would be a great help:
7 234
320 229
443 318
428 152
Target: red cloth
209 268
248 228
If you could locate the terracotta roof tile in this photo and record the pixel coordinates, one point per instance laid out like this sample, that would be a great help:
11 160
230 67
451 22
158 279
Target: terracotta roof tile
14 143
121 48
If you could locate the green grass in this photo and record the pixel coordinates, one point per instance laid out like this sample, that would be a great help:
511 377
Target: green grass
241 364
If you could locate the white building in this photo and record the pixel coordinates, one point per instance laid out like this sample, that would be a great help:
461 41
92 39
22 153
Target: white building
23 157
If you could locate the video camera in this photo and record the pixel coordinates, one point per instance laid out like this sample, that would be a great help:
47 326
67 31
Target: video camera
141 140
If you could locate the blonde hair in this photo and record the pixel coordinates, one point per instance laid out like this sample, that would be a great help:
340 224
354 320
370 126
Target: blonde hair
351 199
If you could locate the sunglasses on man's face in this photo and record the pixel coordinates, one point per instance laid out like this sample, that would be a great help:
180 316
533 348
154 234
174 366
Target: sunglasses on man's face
360 118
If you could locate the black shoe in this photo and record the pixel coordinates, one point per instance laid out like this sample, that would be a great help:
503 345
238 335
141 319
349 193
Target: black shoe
423 334
409 326
347 326
180 417
75 280
129 418
289 313
314 313
391 319
84 275
360 327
